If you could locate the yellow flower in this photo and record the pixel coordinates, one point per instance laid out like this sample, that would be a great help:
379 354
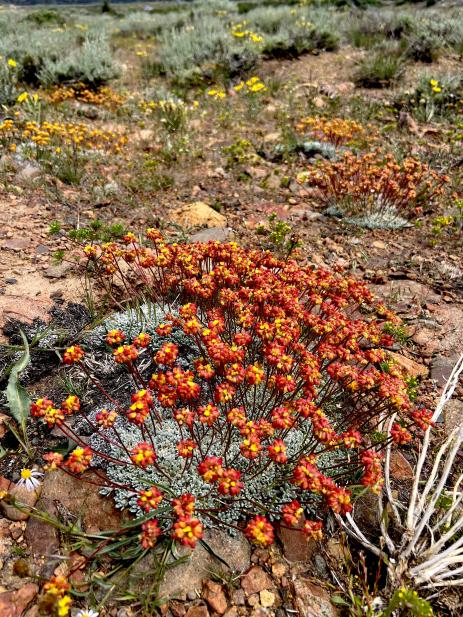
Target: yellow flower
12 63
256 38
239 87
437 89
35 98
22 97
64 604
433 82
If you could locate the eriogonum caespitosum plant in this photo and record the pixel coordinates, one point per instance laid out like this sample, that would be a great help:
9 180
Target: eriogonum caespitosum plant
271 416
374 189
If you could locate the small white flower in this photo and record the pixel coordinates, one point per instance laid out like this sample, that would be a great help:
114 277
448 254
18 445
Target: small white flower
30 479
87 613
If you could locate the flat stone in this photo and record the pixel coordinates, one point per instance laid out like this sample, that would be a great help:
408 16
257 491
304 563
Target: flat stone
41 537
406 292
294 542
441 369
400 467
238 597
312 600
411 368
256 580
214 234
198 214
25 498
81 498
198 611
450 318
14 603
189 576
57 272
16 244
453 415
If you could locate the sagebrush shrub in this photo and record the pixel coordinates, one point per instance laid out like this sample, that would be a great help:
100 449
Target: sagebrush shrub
91 64
267 398
205 49
374 189
380 68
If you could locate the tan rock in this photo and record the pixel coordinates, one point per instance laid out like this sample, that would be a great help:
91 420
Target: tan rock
24 498
215 597
197 611
14 603
267 598
453 415
312 600
198 214
256 580
81 498
400 467
411 368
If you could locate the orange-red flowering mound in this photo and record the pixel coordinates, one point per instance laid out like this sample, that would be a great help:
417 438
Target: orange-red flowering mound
375 189
337 131
274 417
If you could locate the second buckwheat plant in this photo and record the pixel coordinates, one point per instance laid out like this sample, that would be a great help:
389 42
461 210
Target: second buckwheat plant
259 392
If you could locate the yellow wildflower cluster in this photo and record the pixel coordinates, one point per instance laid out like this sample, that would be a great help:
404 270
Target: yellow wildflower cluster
239 32
252 85
12 64
58 135
216 93
104 96
435 87
25 96
337 131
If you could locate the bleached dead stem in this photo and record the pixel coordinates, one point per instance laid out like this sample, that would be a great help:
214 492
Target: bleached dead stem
424 553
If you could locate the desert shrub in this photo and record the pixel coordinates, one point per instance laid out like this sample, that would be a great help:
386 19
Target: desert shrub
291 32
29 48
246 391
205 49
380 68
46 17
445 27
91 64
140 24
376 25
375 190
423 48
47 56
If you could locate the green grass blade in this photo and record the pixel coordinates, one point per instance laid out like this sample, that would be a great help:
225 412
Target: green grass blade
16 394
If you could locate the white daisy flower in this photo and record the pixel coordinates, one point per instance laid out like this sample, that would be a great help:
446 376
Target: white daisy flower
87 613
30 479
